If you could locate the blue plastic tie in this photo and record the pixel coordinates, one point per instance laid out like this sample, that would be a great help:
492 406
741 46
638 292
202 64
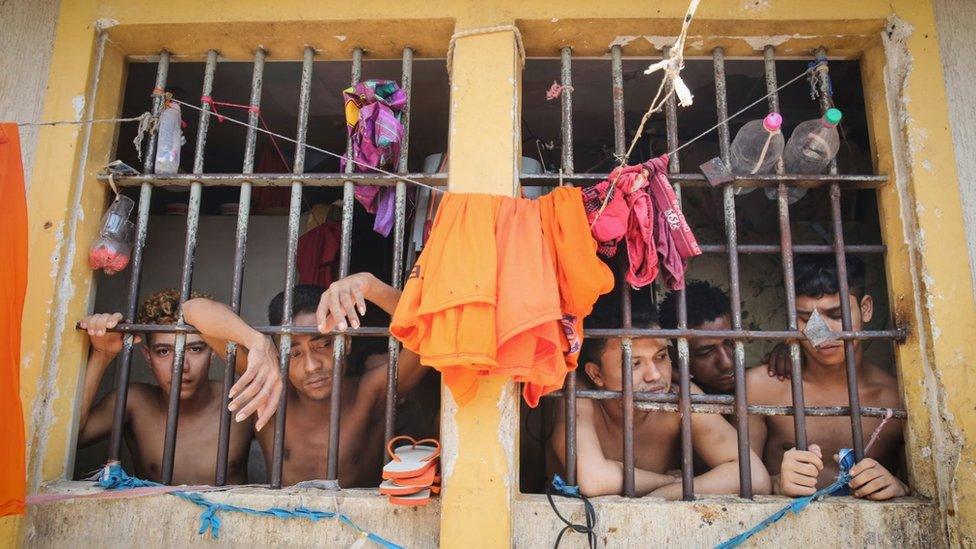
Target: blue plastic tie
798 504
565 489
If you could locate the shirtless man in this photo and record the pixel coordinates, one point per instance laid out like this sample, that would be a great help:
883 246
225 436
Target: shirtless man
145 410
363 398
710 359
800 473
599 426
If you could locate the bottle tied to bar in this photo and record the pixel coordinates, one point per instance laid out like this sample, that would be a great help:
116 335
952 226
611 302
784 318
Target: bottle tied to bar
170 140
810 149
757 146
112 249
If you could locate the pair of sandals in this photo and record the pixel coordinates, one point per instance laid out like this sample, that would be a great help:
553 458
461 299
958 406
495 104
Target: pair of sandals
411 477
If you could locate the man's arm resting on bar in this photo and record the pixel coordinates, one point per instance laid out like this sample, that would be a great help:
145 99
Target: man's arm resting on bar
96 423
259 387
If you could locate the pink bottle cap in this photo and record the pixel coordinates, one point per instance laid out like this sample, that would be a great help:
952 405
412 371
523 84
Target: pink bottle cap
773 121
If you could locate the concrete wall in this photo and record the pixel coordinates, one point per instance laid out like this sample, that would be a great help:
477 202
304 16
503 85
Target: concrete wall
26 36
956 20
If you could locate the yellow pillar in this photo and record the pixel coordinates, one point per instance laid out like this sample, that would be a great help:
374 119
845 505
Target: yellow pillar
479 463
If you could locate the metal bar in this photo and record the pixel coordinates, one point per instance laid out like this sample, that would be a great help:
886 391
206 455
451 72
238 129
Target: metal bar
698 180
642 400
278 179
728 198
797 248
345 252
845 303
240 250
132 302
566 75
684 360
789 286
399 230
186 277
294 216
626 344
566 124
898 334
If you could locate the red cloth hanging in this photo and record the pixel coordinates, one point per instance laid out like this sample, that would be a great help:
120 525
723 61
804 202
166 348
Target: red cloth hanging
318 254
13 287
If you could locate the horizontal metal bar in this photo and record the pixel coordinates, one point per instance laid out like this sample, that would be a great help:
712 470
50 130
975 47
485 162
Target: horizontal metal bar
847 182
275 179
652 401
799 248
368 331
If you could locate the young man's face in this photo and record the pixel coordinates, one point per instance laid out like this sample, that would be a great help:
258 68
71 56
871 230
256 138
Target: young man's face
310 369
652 366
710 359
832 352
159 351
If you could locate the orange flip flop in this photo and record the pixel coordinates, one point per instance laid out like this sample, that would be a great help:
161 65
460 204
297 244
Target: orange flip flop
411 460
419 499
424 479
389 488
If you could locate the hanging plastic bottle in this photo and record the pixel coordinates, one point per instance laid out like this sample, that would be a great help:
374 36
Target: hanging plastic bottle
112 249
170 140
813 145
756 148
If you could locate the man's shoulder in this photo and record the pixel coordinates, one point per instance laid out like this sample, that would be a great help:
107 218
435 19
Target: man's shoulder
882 383
760 384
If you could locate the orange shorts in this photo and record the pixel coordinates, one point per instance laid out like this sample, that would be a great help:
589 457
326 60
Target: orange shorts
489 295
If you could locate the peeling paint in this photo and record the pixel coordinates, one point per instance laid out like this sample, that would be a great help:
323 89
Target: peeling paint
756 5
340 37
449 434
508 428
78 103
105 23
621 41
758 43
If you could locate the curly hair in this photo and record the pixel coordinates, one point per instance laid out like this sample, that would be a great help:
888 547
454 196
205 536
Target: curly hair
163 307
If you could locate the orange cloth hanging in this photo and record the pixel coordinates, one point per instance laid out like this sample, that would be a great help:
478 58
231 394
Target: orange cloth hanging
13 286
501 289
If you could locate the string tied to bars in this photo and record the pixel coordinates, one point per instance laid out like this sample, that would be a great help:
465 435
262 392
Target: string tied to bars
113 477
570 491
253 109
820 76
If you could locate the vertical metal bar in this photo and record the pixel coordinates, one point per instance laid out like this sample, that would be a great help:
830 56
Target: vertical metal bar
142 227
857 435
566 75
684 366
786 251
626 344
243 214
566 121
294 215
400 208
741 415
186 277
345 251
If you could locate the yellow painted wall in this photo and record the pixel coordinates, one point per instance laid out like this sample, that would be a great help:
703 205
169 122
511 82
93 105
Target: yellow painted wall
908 116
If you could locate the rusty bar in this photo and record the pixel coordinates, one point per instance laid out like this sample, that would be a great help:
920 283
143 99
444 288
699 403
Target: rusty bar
186 277
697 180
786 247
797 248
626 344
728 198
684 367
898 334
240 250
399 229
345 253
294 217
566 104
845 303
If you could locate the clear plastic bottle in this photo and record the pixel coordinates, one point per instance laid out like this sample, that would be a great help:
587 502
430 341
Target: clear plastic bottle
813 145
756 148
169 141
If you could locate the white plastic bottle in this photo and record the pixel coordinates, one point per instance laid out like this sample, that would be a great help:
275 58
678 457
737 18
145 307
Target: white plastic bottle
169 140
756 148
813 145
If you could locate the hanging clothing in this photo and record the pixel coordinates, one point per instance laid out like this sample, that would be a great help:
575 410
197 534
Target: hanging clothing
609 226
318 254
373 122
501 288
13 288
675 242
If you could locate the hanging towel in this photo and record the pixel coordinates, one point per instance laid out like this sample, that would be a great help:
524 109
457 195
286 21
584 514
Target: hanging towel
13 286
675 242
